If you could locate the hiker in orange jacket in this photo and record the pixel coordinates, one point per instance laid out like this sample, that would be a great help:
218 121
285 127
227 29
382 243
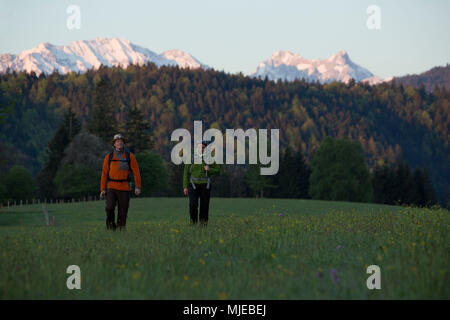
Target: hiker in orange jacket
115 183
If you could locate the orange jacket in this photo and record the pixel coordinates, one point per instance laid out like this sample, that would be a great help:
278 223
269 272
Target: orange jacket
117 174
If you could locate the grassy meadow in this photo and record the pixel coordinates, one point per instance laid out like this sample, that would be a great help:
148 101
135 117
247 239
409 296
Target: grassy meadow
251 249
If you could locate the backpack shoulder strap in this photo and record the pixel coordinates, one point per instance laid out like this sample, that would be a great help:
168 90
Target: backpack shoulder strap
127 154
192 163
110 158
109 164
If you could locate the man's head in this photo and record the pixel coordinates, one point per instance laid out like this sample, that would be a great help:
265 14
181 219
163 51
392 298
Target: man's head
201 145
118 141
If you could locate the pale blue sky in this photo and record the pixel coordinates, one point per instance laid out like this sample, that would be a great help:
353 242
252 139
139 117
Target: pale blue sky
236 35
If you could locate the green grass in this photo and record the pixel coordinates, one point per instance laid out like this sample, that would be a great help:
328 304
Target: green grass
248 251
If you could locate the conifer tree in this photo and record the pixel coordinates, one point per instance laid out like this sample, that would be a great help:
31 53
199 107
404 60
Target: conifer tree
383 184
137 131
55 153
103 122
404 183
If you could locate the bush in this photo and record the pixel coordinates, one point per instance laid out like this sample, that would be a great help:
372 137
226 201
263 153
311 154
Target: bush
154 174
80 171
20 184
77 181
339 172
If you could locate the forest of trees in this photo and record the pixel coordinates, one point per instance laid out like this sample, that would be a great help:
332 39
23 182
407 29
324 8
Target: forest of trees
48 118
429 80
338 172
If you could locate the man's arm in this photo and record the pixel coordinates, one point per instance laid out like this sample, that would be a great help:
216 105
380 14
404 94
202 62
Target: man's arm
135 170
186 175
105 170
214 169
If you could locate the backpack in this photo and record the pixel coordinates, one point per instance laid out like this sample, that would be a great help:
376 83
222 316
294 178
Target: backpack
127 154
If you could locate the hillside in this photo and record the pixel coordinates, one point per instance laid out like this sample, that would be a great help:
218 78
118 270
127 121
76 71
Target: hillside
389 121
438 76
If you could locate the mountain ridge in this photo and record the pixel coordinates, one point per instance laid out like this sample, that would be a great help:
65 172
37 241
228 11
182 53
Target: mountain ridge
286 65
82 55
437 76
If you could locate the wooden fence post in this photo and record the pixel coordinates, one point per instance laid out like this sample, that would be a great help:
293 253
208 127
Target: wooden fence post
45 214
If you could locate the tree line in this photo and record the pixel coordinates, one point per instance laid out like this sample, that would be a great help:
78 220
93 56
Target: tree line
337 171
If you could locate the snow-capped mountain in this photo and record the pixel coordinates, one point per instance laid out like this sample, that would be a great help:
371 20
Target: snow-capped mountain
289 66
80 56
184 60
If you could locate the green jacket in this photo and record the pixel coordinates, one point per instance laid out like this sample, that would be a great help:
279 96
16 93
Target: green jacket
198 171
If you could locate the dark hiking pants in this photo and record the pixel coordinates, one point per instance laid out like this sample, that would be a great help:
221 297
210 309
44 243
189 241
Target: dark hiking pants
204 194
122 198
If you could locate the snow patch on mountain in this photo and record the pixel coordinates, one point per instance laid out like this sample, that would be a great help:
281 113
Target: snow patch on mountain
80 56
183 59
286 65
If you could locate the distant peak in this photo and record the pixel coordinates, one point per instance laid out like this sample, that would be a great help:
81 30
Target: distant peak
283 53
44 45
284 57
106 39
175 52
183 59
340 54
288 66
82 55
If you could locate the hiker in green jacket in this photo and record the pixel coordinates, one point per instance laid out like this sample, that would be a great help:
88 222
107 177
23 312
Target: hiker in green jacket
197 184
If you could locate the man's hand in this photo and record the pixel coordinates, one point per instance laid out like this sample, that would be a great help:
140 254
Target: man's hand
206 168
186 191
137 191
102 194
